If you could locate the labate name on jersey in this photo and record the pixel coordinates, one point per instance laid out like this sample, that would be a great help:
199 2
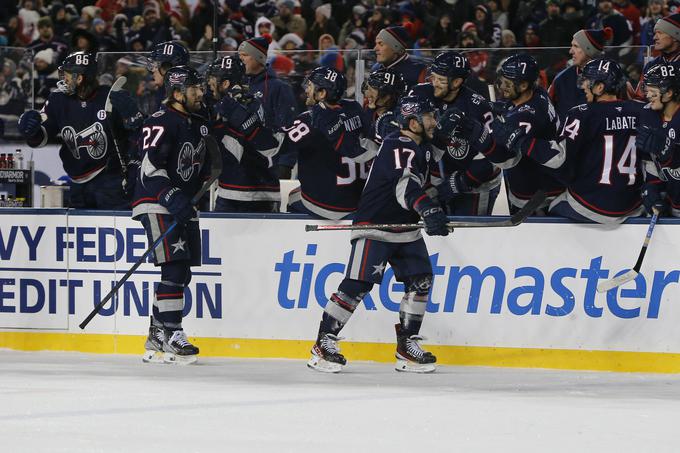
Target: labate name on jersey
620 123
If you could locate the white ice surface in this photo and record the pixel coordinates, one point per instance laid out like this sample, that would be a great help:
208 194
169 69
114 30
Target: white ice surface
67 402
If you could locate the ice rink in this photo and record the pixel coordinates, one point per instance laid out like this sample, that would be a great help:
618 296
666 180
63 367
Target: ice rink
70 402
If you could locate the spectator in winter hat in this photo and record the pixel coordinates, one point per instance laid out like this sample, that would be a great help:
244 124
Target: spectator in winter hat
290 41
276 95
47 39
390 52
287 22
355 40
356 21
586 45
323 24
326 42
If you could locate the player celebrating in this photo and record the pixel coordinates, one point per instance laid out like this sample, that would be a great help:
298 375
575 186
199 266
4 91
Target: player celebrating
76 114
658 140
565 91
390 52
382 90
471 183
393 194
667 42
173 168
595 154
163 57
248 182
325 140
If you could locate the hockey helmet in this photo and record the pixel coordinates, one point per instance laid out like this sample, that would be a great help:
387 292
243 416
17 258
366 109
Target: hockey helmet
451 64
520 67
413 107
229 68
605 71
167 54
664 76
180 78
82 63
386 82
329 79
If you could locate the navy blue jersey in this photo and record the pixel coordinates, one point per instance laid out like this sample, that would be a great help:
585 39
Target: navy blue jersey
87 144
598 160
395 185
248 161
173 156
525 177
331 177
413 72
661 59
276 96
377 126
479 172
666 173
564 91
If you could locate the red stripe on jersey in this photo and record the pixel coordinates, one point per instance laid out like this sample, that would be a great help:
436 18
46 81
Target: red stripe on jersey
367 246
324 205
602 211
165 239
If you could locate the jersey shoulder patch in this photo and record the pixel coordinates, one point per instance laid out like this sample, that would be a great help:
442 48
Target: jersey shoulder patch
158 114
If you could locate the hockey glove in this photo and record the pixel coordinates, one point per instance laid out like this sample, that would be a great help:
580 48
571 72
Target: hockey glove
126 107
499 108
513 137
433 216
29 123
329 122
653 142
454 185
177 204
237 117
653 198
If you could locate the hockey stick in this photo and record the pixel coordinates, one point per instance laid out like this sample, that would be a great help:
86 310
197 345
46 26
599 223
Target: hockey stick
215 170
108 108
514 220
614 282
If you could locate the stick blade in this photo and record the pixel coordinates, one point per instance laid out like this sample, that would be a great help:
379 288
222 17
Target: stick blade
117 86
536 201
612 283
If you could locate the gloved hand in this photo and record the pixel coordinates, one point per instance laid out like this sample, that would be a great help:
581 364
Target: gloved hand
454 127
329 122
454 185
653 142
178 204
499 107
126 108
29 123
654 198
512 136
237 116
433 216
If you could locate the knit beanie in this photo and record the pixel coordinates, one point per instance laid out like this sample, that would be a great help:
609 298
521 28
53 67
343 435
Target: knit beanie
396 37
670 25
256 48
592 41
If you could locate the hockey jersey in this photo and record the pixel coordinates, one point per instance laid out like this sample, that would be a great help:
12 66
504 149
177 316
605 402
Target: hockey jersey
412 71
394 186
174 155
331 162
87 144
276 96
597 159
564 91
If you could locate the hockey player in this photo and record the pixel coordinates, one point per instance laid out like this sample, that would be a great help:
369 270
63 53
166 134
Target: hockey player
163 57
248 182
173 168
276 95
75 114
596 154
390 52
382 90
564 91
667 42
393 194
658 139
326 141
470 182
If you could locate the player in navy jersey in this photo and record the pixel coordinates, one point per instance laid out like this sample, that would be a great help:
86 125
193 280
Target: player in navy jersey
164 56
667 42
382 90
75 114
527 106
174 167
390 52
658 139
565 91
470 182
595 155
394 194
326 141
248 182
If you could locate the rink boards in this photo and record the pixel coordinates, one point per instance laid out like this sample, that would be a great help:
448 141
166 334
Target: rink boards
522 297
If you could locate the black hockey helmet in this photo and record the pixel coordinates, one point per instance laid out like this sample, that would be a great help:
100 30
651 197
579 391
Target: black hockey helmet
451 64
228 68
82 63
520 67
664 76
180 78
329 79
168 54
413 107
606 71
424 90
386 81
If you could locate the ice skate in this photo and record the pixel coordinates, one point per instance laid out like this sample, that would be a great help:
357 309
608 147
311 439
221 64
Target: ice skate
326 355
410 356
154 345
177 349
